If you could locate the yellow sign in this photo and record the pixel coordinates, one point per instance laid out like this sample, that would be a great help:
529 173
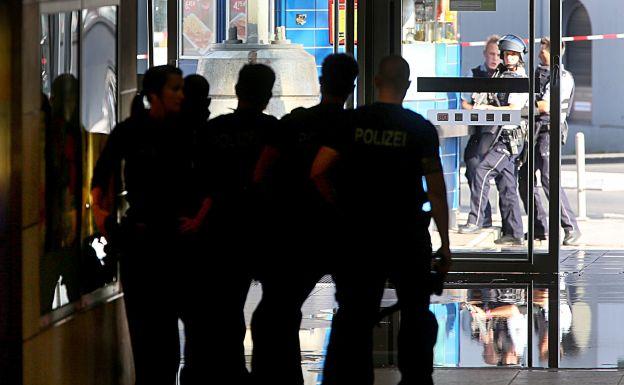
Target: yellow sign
342 21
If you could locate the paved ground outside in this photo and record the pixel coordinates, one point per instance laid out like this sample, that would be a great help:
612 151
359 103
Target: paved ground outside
601 229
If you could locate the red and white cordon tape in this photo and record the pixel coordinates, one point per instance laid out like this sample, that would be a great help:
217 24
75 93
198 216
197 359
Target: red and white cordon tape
607 36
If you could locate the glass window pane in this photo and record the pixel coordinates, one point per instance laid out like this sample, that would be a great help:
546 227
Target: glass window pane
79 109
142 34
98 117
482 136
62 171
160 31
295 58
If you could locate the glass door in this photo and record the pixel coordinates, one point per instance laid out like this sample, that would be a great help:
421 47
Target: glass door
452 66
483 103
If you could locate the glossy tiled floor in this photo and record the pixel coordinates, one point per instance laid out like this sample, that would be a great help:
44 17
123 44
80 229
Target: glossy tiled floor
524 377
484 330
513 377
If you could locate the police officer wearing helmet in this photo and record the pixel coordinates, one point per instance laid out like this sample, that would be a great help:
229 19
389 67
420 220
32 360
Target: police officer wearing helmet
481 141
542 148
500 161
381 157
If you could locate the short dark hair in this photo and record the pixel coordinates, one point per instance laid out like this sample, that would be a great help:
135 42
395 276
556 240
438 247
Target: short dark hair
395 71
196 87
338 73
155 78
255 83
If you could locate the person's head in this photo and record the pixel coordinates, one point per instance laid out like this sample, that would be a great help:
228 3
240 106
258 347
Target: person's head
255 85
392 79
64 97
196 99
163 86
544 53
491 53
512 50
338 73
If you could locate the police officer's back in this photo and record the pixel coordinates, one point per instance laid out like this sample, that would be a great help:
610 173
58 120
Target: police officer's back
230 146
301 231
381 157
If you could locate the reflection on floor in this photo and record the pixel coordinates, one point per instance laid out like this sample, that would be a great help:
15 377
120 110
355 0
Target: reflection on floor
518 377
487 326
592 309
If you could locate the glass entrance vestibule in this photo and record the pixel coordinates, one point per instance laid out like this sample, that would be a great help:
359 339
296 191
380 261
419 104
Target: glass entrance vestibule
502 300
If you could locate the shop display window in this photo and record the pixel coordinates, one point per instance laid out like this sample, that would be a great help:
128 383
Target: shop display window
429 21
78 110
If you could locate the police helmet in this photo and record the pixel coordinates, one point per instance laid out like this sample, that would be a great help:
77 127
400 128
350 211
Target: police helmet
512 43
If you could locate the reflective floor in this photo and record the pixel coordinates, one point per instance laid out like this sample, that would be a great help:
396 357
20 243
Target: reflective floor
487 326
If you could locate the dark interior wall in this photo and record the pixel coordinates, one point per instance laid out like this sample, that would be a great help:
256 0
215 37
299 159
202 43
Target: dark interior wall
10 221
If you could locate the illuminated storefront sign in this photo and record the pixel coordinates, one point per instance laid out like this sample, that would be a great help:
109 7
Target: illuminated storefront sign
198 26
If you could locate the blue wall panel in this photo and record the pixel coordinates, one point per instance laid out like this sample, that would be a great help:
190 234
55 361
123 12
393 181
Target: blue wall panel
314 34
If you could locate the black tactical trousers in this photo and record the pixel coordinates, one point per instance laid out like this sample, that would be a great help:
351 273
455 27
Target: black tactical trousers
214 325
304 236
149 276
359 289
477 147
275 326
499 165
230 250
542 163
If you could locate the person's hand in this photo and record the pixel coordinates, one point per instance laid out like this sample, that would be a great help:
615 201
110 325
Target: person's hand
445 260
100 216
189 225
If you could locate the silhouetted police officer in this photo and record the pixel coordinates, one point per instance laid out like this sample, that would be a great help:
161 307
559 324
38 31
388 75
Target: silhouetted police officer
154 175
191 254
542 149
382 157
300 229
230 146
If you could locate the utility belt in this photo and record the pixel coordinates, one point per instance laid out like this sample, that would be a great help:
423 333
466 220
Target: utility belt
513 138
543 127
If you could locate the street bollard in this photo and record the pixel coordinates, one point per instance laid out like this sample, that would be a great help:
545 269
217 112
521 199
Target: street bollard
581 175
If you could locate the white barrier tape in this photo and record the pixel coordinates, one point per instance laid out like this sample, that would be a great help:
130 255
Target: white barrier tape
608 36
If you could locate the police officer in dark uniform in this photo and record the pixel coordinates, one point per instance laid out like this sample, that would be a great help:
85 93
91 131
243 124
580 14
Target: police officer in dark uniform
480 142
230 146
500 161
155 171
542 149
300 230
198 339
381 157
